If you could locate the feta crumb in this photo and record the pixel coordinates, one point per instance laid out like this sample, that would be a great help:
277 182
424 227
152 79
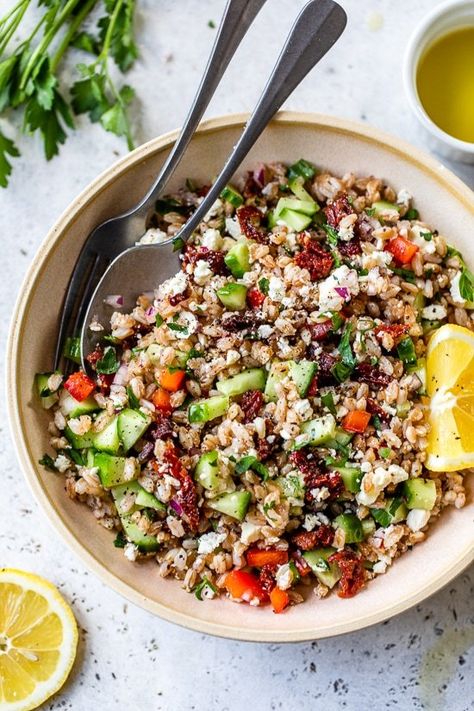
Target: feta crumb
232 227
175 285
265 331
250 532
404 197
455 291
130 552
190 322
426 246
153 236
417 519
342 277
212 239
62 463
303 409
380 567
202 272
376 258
346 227
213 210
284 577
397 474
310 521
210 541
276 289
434 312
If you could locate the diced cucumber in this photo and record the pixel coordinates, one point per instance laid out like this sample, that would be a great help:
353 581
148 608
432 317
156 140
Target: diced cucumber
292 485
207 471
351 476
278 372
302 373
296 186
145 500
351 526
233 296
79 441
142 498
90 454
316 432
253 379
111 470
382 206
70 407
419 303
154 353
327 573
342 437
144 542
237 259
420 493
301 169
234 504
297 221
41 386
271 219
368 526
209 409
397 509
132 425
306 207
108 440
230 194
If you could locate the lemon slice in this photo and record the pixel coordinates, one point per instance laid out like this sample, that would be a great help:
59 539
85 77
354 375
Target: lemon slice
38 640
450 385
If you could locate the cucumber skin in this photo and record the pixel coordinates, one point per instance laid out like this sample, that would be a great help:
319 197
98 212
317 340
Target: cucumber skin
111 470
237 259
326 577
278 371
207 471
206 410
145 543
320 430
302 374
351 526
132 425
234 504
143 499
420 493
297 221
253 379
108 440
351 476
79 441
73 408
41 382
233 296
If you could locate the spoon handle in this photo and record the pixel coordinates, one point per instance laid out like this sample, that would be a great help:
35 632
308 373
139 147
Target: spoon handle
236 20
318 26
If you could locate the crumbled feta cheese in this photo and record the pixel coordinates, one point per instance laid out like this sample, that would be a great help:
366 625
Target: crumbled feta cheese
288 301
380 567
276 289
284 347
190 323
284 576
455 291
249 532
210 541
62 463
260 426
434 312
341 278
202 272
232 227
265 331
212 239
130 552
175 285
153 236
80 425
213 210
397 474
404 197
310 521
417 519
54 381
303 409
426 246
376 258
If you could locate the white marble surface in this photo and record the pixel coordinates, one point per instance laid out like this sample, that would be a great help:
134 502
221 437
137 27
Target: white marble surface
128 659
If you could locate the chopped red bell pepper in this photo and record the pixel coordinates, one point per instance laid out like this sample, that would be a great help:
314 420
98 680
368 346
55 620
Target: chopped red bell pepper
79 385
162 401
255 297
356 421
402 249
279 599
172 380
258 558
244 586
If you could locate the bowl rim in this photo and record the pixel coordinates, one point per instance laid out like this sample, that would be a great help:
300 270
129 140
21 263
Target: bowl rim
414 51
257 634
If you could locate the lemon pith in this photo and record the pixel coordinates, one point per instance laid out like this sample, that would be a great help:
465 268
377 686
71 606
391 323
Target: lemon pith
450 385
38 640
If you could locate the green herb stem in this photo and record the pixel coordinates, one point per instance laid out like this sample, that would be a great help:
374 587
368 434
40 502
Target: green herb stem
73 27
10 30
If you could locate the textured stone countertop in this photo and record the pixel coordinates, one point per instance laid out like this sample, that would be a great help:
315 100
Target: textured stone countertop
127 658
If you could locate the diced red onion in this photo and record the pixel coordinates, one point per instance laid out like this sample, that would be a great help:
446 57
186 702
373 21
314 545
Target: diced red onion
151 311
176 507
115 300
259 175
342 291
121 376
146 452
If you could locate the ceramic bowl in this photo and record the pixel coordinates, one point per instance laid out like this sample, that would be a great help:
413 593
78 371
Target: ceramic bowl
331 143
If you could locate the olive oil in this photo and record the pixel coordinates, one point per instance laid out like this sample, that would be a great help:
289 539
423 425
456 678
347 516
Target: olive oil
445 83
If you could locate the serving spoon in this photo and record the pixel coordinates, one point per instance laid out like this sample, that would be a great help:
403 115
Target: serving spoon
316 29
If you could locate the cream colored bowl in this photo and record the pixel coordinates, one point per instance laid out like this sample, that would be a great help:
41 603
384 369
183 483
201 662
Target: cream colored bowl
330 143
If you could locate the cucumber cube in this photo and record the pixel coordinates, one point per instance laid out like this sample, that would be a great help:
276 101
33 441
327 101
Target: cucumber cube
306 207
297 221
327 573
234 504
253 379
230 194
132 425
111 470
368 526
107 440
142 498
237 259
278 372
144 542
206 410
296 186
382 206
420 493
41 386
292 485
233 296
79 441
316 432
351 526
207 471
70 407
351 476
302 374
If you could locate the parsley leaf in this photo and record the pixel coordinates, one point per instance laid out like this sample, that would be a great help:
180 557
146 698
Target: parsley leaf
251 462
466 285
345 348
109 362
48 462
332 236
7 148
264 285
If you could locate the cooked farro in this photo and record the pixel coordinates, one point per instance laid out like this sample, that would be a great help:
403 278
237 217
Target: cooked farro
317 294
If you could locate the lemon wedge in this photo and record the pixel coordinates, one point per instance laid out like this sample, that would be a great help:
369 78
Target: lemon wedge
38 640
450 385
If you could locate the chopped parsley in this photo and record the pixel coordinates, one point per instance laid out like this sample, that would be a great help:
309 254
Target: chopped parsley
205 583
109 362
48 462
251 462
120 540
177 327
328 402
412 214
264 285
159 320
332 236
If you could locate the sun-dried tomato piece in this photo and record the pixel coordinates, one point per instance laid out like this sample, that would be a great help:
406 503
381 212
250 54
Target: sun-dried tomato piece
267 577
178 298
350 248
375 409
250 221
215 258
316 476
353 575
367 373
251 187
320 331
314 258
255 298
163 428
326 363
313 387
251 403
307 540
395 330
203 190
336 209
240 321
186 496
94 356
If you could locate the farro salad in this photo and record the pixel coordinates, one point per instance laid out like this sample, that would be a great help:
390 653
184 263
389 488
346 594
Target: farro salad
259 424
